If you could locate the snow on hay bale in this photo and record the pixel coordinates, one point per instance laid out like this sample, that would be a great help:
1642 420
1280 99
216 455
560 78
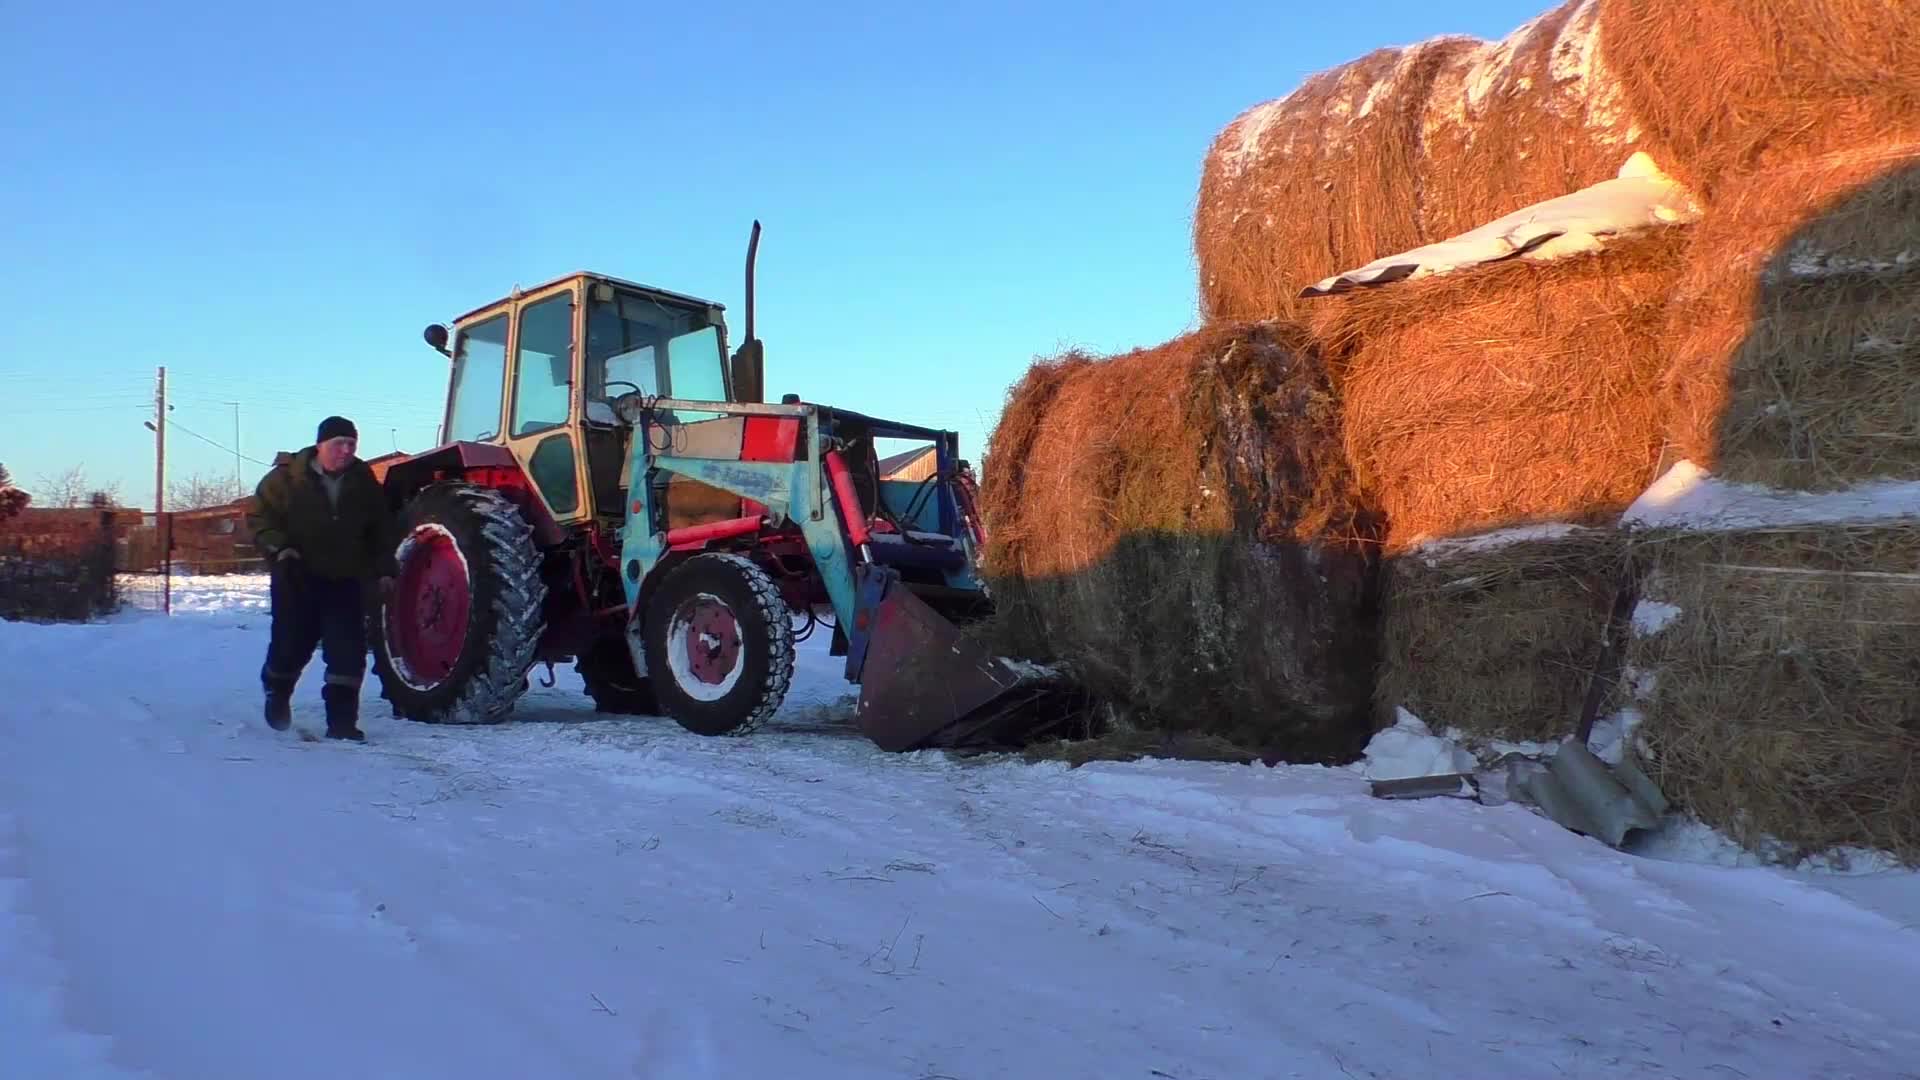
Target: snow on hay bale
1640 198
1722 86
1795 346
1514 393
1179 527
1780 632
1496 635
1398 148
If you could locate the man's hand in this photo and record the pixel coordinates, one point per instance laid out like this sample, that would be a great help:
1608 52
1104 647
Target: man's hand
386 587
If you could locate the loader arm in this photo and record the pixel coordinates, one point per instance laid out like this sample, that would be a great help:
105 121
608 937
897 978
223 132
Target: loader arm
789 490
921 678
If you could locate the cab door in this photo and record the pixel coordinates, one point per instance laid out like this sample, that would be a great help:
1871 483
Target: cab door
542 402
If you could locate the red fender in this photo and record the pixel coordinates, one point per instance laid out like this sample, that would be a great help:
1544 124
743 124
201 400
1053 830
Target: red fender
482 464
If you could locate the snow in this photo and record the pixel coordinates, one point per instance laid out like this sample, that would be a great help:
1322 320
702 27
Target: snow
1247 134
1579 84
1409 749
1652 616
1490 750
1412 59
187 895
1688 496
1612 734
1493 63
1690 841
1802 263
1028 671
1640 198
1434 549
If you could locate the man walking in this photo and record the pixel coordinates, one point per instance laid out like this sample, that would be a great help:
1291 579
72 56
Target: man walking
322 522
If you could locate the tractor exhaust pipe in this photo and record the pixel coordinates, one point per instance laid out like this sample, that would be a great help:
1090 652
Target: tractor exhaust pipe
753 254
750 359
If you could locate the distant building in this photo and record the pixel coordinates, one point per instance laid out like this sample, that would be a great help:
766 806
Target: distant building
914 465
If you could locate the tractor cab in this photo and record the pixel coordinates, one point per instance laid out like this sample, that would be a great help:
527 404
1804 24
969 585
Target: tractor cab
559 374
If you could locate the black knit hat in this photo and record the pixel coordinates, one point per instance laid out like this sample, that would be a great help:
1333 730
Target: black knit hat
336 427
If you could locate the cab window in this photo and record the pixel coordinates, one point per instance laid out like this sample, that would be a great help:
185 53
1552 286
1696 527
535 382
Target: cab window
543 376
479 374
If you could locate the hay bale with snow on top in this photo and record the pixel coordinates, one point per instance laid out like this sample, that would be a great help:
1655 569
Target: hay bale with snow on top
1795 332
1304 186
1515 393
1781 635
1178 527
1517 121
1494 637
1720 87
1398 148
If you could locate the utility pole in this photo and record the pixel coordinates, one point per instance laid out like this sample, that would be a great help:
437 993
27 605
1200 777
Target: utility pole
239 488
161 530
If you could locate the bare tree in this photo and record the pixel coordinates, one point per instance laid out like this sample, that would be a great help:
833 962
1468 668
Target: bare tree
72 489
197 492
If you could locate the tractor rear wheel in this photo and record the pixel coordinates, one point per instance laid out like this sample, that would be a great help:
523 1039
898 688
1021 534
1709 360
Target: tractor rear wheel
607 669
457 635
718 643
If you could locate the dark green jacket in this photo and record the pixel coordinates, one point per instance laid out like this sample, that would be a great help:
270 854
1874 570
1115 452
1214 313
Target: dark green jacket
353 539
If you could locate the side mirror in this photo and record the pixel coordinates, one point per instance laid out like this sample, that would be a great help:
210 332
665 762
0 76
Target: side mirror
436 336
750 372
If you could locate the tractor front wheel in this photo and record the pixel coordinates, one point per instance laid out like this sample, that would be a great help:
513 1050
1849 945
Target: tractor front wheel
719 645
457 635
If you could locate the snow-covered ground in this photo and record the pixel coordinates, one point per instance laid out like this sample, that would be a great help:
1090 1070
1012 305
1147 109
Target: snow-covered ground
186 894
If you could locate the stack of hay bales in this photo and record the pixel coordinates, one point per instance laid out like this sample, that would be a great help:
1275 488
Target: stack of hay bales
1502 418
1483 429
1779 637
1493 412
1785 702
1179 526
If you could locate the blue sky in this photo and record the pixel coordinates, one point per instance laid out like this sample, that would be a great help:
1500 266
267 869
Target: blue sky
273 203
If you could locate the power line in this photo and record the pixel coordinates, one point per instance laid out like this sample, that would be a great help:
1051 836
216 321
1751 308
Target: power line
224 449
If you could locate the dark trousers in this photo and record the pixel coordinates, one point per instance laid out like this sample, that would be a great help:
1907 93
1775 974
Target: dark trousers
315 612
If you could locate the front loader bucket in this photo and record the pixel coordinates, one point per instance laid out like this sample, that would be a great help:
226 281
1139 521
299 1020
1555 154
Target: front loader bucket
924 683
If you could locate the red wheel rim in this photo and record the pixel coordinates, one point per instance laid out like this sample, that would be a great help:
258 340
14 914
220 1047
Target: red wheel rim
427 615
713 641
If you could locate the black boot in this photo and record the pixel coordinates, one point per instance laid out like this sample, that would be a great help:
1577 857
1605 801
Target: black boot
279 701
343 712
279 710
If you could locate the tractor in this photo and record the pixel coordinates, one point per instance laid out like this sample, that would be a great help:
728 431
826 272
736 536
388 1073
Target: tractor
611 489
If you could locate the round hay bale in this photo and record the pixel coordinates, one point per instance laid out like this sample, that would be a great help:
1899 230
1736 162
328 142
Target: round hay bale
1509 394
1497 635
1535 115
1178 525
1724 86
1785 696
1794 338
1309 184
1402 147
